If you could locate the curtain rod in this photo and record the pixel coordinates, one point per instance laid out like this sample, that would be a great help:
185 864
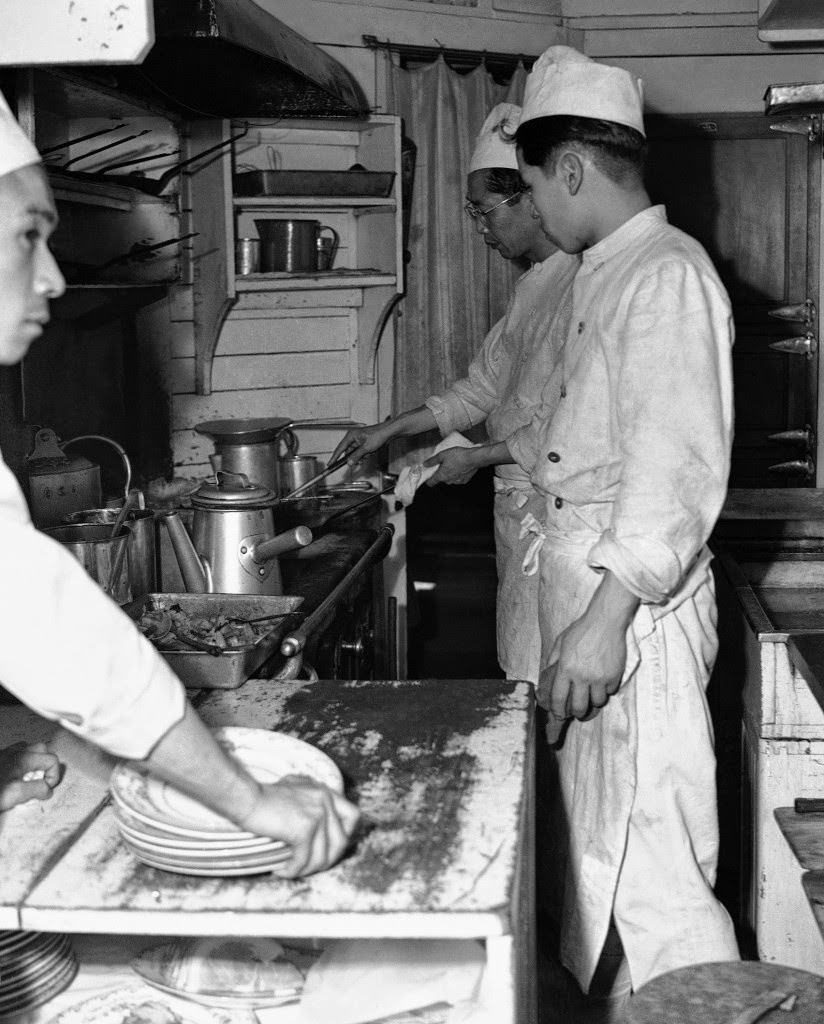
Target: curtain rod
462 58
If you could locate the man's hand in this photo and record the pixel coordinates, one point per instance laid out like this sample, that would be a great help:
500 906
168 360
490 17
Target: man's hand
362 441
27 772
315 821
456 466
586 665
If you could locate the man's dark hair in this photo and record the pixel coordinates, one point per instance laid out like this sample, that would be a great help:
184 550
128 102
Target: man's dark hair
503 181
617 151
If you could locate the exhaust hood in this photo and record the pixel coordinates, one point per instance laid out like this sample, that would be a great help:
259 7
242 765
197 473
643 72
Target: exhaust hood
231 58
791 21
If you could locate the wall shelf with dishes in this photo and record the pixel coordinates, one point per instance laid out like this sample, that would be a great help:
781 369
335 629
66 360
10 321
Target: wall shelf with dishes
337 183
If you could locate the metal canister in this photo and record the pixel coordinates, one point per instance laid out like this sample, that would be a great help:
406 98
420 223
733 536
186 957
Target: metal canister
59 484
143 569
247 256
105 558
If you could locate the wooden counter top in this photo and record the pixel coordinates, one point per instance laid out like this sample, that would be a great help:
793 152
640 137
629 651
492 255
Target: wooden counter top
441 770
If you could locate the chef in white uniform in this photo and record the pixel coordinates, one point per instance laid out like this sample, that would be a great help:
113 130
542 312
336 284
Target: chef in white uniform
66 649
631 452
505 379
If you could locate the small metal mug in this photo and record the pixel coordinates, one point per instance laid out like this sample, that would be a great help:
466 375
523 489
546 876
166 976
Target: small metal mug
247 256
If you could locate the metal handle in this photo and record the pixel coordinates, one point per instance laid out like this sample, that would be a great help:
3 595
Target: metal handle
799 313
265 550
805 345
795 467
294 642
804 437
118 448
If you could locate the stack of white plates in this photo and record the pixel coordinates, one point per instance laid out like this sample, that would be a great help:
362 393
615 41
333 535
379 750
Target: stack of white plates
34 967
168 830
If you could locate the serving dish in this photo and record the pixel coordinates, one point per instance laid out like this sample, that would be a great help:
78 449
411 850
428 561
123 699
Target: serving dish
230 668
351 184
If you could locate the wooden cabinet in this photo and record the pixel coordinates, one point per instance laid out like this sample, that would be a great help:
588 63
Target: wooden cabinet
749 189
369 259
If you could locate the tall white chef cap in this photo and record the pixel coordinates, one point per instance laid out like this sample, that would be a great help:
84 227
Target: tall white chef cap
495 144
16 149
565 82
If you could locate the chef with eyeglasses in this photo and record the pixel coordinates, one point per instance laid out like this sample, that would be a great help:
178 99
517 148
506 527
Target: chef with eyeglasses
66 649
505 379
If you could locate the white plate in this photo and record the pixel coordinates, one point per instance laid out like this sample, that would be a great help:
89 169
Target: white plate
17 940
226 1002
35 979
149 834
14 976
47 990
115 1007
203 849
19 959
258 860
200 871
267 756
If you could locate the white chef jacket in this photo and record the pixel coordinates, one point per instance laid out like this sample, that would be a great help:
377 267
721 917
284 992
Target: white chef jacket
68 651
503 386
633 463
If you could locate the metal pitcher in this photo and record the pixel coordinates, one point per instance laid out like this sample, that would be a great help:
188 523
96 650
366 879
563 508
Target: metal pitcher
105 558
233 548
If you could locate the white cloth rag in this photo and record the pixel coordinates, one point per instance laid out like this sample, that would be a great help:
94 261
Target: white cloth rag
412 477
358 980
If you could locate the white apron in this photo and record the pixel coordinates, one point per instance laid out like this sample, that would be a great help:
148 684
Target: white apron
641 847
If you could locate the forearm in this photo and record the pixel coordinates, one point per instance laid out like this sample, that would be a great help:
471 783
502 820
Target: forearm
413 422
493 454
612 605
189 757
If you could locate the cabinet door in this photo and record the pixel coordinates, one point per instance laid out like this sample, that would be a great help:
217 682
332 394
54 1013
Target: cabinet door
750 194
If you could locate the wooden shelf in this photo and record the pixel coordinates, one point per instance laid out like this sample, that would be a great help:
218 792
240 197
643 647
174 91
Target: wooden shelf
304 282
338 204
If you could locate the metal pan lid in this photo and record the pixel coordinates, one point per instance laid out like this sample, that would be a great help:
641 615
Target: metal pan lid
232 491
251 431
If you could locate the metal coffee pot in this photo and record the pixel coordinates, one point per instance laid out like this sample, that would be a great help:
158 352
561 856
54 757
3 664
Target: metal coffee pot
233 548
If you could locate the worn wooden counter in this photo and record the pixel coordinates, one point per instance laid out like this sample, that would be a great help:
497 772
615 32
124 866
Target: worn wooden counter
442 771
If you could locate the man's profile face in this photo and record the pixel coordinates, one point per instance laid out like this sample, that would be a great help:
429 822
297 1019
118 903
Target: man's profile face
509 229
29 275
551 204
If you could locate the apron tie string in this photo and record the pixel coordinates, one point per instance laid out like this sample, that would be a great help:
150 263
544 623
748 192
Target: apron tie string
531 526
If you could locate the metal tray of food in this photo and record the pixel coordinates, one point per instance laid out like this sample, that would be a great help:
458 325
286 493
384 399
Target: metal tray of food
352 184
213 667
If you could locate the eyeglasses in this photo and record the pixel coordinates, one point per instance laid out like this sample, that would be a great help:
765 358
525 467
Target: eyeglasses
476 213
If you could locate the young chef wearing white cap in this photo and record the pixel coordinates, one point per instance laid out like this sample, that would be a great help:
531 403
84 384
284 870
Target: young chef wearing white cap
631 450
505 380
66 649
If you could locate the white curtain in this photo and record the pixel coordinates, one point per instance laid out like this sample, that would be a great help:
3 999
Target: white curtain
456 287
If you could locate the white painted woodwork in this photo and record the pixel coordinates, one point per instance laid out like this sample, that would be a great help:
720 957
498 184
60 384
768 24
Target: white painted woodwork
473 878
790 21
77 32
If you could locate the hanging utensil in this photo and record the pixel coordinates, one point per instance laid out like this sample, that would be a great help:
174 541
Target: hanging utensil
128 505
101 149
137 160
82 138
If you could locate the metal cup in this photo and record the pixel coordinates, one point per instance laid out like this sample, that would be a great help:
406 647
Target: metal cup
247 256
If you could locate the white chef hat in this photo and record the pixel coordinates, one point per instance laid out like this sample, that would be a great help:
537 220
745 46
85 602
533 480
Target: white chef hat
567 83
495 144
16 149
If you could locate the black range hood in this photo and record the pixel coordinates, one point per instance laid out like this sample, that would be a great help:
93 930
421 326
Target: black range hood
231 58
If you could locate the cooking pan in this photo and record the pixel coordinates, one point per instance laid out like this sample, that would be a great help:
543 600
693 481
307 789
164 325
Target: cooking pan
320 514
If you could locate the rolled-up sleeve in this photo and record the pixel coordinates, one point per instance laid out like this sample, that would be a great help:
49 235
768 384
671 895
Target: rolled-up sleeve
674 418
472 399
72 655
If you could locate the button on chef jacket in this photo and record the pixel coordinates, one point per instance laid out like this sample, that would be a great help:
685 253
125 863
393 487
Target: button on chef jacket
503 386
68 651
633 466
